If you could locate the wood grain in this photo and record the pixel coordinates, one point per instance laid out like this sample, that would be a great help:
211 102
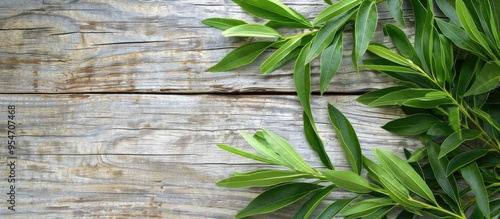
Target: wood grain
68 46
128 155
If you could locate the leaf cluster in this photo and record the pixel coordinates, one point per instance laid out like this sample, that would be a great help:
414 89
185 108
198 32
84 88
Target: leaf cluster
448 77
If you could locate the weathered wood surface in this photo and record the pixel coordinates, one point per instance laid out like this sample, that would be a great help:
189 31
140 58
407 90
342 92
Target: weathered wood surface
156 155
117 117
55 46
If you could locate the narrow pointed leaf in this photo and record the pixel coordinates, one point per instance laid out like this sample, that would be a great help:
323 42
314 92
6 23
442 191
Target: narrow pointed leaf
272 10
400 39
448 8
315 142
261 178
367 206
302 81
455 121
396 10
270 63
392 68
388 54
331 58
487 80
264 150
326 35
472 176
245 154
347 137
459 37
276 198
454 140
400 96
308 208
448 183
405 174
335 10
411 125
464 159
470 26
348 180
223 23
364 28
241 56
251 30
369 97
287 152
333 209
417 155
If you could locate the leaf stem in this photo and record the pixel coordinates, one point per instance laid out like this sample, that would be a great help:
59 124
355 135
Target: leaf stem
462 216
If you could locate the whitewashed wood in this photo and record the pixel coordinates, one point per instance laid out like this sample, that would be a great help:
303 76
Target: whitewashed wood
128 155
67 46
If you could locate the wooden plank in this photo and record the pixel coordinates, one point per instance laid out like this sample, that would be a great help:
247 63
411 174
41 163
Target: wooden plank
63 46
132 155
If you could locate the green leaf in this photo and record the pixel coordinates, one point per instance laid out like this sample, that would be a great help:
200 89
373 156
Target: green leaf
348 180
245 154
335 10
326 35
392 68
347 138
364 28
411 125
464 159
459 37
241 56
455 121
470 27
402 42
417 155
487 80
440 129
396 10
222 23
395 189
381 213
369 97
334 208
276 198
331 58
251 30
261 178
495 208
367 206
388 54
487 118
280 24
453 141
430 100
401 96
286 59
472 64
448 183
308 208
405 174
270 63
448 8
315 142
472 176
265 150
272 10
287 152
302 81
